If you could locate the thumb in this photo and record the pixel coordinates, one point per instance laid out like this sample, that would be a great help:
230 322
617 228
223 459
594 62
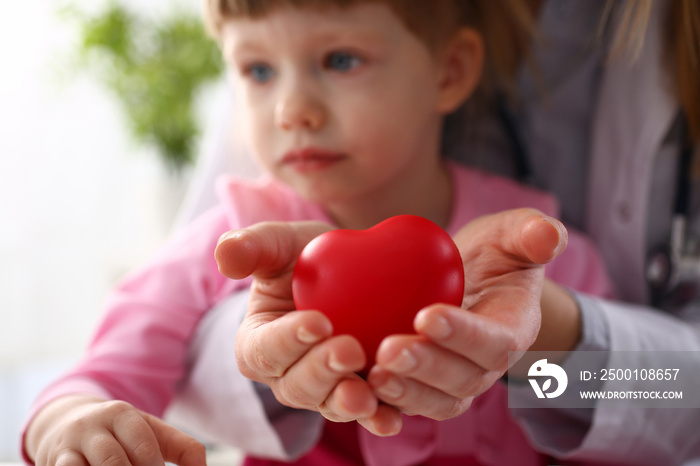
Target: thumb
526 235
543 238
266 249
176 446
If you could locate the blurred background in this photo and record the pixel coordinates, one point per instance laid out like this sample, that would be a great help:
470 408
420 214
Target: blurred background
104 111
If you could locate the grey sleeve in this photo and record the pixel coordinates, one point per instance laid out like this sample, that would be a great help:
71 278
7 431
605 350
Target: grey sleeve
617 434
538 420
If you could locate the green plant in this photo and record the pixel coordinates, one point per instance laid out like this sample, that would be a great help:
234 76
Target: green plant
155 68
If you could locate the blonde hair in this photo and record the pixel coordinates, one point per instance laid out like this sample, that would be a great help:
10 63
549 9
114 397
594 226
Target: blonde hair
681 46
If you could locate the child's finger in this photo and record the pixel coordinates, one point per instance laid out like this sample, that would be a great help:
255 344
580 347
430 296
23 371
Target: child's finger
100 447
176 446
66 457
137 439
266 349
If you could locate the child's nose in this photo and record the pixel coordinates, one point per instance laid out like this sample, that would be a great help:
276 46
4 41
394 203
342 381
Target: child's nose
299 111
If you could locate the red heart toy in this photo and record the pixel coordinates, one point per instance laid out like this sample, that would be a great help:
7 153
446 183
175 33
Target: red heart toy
371 283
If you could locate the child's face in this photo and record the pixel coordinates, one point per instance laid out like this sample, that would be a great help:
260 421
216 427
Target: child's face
342 104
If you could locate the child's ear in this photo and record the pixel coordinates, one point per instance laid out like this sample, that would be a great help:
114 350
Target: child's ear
461 63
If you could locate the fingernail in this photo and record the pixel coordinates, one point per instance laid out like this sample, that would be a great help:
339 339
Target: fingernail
436 327
403 362
563 235
229 234
306 336
392 388
336 365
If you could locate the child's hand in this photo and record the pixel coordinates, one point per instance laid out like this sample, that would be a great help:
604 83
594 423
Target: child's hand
293 352
458 355
81 430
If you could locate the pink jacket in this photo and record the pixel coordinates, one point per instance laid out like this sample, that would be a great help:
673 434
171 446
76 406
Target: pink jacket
138 353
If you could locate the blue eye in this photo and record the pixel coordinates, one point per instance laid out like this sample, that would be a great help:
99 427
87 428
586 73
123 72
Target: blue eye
260 72
342 61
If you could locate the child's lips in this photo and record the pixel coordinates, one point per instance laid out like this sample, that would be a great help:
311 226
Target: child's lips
311 159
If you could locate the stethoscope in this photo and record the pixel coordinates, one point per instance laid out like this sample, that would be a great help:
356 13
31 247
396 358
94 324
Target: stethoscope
673 270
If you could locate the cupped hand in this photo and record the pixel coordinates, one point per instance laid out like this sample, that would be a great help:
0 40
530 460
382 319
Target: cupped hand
86 431
458 353
294 352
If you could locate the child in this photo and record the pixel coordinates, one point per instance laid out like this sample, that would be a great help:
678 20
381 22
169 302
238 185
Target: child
345 102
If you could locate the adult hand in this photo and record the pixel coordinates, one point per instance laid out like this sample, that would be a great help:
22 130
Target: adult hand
82 430
293 352
458 353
